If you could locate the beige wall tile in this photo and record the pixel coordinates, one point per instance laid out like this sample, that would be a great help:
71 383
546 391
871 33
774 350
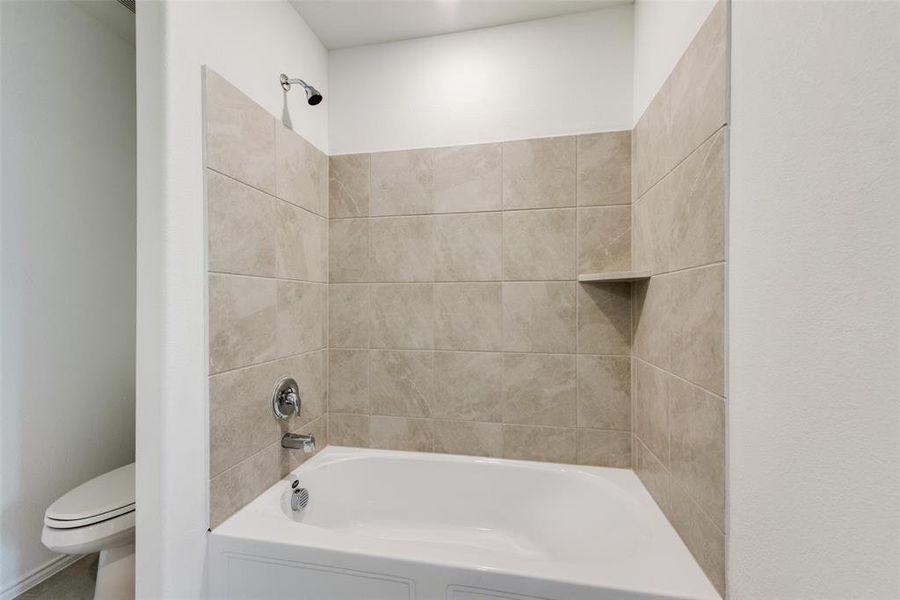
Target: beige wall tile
402 182
652 320
400 249
236 487
680 222
652 474
348 430
348 315
468 386
348 186
651 409
398 433
310 372
348 250
401 383
604 239
468 316
697 421
301 171
705 541
302 316
240 220
301 243
348 381
697 319
604 392
402 316
539 389
539 244
539 173
240 414
690 106
604 448
539 317
604 168
240 135
467 247
242 321
467 178
544 444
468 438
604 318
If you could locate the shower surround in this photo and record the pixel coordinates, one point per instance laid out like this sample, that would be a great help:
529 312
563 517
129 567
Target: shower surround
428 299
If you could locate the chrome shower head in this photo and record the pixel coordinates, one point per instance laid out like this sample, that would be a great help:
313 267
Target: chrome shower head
313 96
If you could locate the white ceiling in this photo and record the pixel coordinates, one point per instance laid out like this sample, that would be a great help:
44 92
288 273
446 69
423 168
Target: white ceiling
345 23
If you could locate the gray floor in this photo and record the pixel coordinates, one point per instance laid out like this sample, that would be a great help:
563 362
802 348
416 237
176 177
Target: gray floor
75 582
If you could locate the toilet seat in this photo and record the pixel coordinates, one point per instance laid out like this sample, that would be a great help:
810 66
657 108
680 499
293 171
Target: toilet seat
103 498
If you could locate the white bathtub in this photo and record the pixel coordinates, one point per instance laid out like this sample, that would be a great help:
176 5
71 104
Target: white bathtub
391 525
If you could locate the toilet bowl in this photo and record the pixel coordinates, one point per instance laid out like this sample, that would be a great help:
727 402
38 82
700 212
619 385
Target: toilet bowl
98 516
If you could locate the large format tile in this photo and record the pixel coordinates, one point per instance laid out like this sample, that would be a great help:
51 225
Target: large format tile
652 473
539 173
301 243
697 320
467 178
604 168
680 222
348 381
239 221
697 425
467 247
348 430
539 389
539 317
468 438
539 244
402 316
604 392
398 433
242 321
705 541
301 175
601 448
348 315
400 249
545 444
348 250
468 386
401 383
604 239
402 182
348 186
604 318
302 316
652 320
240 135
468 316
651 409
689 107
230 490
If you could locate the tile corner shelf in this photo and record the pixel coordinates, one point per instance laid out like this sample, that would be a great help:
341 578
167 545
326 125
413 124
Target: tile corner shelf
614 277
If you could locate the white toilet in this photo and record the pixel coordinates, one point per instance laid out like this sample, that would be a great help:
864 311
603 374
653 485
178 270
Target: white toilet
98 516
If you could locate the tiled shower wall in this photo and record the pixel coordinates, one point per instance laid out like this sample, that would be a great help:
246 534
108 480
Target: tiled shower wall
680 162
267 195
456 322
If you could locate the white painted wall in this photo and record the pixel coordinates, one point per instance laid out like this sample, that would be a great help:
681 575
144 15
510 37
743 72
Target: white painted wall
663 29
556 76
68 252
814 301
249 43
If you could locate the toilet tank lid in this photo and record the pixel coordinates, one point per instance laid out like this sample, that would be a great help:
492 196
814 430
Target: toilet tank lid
108 492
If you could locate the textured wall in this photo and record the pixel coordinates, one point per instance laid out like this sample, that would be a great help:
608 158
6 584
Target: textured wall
680 150
456 323
267 202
